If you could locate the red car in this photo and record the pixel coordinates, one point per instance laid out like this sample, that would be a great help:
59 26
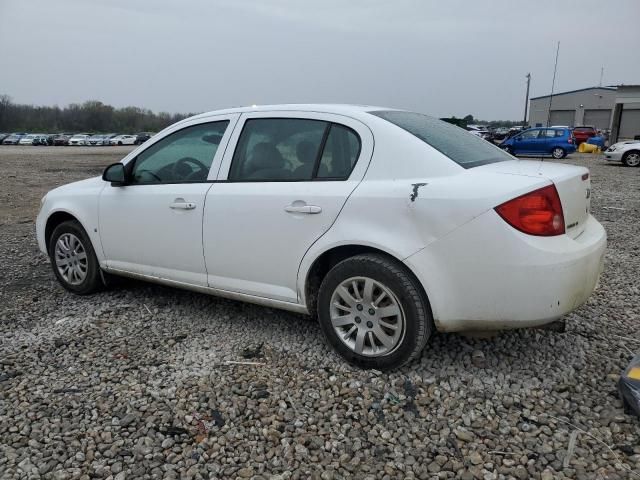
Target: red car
582 134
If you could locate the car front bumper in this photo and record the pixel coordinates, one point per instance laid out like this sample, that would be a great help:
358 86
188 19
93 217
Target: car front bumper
615 156
488 276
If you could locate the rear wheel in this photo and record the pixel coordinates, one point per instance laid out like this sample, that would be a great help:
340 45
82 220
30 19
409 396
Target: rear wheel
558 153
373 312
631 159
73 259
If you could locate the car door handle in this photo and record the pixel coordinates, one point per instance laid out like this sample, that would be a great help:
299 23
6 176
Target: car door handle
310 209
182 206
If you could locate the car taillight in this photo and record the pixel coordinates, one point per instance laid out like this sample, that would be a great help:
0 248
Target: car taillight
570 139
535 213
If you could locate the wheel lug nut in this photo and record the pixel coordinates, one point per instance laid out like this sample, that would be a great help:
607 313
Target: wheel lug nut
358 320
370 324
359 307
372 311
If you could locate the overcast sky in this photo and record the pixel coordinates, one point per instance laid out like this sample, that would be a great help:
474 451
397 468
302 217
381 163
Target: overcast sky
438 57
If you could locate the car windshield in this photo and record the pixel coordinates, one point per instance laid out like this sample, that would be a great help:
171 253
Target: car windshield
466 150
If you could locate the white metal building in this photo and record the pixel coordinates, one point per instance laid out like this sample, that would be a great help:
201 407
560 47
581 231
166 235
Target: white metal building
588 106
625 124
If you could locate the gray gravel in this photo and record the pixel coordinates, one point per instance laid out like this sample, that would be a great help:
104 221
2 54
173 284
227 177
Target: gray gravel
136 382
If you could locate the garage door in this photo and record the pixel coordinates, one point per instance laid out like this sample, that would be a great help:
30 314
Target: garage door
629 124
562 117
597 118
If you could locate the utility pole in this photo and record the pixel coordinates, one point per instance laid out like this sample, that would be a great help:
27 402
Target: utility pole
526 100
553 84
601 75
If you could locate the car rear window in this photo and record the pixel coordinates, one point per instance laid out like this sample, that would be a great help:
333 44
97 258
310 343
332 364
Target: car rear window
466 149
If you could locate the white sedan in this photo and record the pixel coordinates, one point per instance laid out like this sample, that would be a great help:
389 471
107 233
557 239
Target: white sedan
625 152
80 139
292 207
123 140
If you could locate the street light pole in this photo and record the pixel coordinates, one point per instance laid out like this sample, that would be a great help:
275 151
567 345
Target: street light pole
526 100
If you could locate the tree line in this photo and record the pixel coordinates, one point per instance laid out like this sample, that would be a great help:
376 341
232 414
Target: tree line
90 116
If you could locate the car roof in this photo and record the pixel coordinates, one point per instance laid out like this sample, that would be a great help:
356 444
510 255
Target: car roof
343 109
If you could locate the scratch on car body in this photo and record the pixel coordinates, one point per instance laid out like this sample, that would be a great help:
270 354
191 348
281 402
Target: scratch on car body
414 192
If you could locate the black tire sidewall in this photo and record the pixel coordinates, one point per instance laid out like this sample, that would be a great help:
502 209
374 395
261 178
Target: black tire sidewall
624 160
417 316
92 281
564 153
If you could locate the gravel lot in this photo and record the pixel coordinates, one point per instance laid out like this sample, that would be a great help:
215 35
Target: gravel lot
134 382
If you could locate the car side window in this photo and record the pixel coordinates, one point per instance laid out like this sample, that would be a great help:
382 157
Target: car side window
529 134
277 149
340 153
182 157
548 133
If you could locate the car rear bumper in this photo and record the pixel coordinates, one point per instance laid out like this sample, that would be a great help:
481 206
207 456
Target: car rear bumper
488 276
613 156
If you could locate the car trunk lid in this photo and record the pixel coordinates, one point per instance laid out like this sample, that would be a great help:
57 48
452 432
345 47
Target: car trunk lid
573 184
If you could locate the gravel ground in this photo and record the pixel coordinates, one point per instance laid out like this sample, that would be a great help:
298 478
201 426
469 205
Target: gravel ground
135 382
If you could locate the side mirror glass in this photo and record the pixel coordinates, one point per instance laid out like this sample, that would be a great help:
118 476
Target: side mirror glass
114 174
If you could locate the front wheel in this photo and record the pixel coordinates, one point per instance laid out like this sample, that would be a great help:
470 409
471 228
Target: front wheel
373 312
631 159
73 259
558 153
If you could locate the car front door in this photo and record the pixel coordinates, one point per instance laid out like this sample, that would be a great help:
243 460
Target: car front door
525 142
153 225
283 181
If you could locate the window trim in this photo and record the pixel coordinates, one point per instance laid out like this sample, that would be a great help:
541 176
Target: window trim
131 163
316 166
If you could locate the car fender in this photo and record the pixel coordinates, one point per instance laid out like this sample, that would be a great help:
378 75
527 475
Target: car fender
82 203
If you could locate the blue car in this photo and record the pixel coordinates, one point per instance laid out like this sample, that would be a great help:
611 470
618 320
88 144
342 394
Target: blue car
557 142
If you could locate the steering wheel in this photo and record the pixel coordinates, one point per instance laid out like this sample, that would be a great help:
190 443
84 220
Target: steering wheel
191 160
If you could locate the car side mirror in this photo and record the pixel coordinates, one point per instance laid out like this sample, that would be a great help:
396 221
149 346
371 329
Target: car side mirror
115 174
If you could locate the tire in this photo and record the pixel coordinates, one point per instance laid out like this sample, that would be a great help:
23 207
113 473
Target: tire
631 158
85 277
509 150
558 153
409 329
119 143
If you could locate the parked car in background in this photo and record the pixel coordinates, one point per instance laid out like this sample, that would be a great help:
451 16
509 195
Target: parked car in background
79 139
433 229
13 139
27 139
143 137
557 142
62 139
478 131
3 136
582 134
100 139
41 140
625 152
123 140
500 133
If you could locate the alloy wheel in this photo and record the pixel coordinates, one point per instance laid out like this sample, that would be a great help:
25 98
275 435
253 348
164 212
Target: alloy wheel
71 259
632 159
557 153
367 317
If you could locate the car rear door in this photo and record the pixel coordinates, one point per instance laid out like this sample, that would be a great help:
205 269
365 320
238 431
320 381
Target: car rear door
153 225
283 181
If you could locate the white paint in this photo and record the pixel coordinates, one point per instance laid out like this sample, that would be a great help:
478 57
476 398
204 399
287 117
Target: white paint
240 240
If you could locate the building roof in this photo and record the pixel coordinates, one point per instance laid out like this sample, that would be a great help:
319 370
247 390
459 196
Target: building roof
576 91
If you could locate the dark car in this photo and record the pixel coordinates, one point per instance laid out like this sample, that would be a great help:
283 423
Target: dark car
582 134
143 137
3 136
557 142
62 139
